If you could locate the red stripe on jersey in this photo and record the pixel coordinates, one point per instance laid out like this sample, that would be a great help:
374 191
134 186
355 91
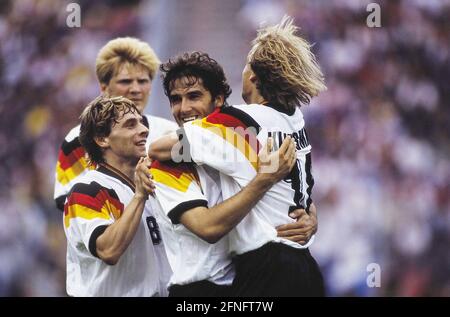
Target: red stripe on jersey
229 121
104 195
84 200
96 203
66 161
174 169
220 118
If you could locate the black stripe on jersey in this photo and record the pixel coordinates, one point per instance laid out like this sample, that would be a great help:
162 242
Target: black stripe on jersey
145 121
280 139
242 116
110 171
68 147
92 189
305 135
309 180
60 202
184 155
93 239
294 177
176 212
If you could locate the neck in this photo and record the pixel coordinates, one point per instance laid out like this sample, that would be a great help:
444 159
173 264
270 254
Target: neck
260 100
255 98
127 167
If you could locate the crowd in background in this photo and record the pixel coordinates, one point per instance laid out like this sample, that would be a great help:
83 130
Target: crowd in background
380 137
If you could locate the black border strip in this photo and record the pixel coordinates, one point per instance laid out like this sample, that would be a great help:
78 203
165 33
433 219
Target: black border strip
93 239
241 115
175 214
309 181
60 202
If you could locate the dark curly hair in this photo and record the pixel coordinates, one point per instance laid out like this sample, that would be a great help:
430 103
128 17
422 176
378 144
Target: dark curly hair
97 120
195 66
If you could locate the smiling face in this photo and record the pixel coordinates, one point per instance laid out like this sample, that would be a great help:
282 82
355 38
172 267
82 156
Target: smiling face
190 100
127 138
132 82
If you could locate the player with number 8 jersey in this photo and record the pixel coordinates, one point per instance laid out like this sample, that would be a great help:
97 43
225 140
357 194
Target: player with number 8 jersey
102 194
114 247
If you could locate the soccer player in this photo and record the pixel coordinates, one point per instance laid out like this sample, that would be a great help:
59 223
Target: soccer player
124 67
196 246
281 74
114 247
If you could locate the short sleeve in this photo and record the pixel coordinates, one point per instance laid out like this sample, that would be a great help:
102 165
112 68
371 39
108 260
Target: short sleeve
177 188
71 164
89 209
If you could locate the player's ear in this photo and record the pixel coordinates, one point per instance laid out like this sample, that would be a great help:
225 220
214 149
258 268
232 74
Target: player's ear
102 142
218 102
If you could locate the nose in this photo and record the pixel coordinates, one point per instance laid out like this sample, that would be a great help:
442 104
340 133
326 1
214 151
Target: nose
135 88
185 106
143 130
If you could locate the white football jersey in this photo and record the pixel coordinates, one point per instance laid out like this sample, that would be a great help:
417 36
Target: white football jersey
97 200
72 161
180 187
158 127
229 140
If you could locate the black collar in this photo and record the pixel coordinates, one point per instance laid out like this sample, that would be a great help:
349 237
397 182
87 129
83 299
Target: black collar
114 172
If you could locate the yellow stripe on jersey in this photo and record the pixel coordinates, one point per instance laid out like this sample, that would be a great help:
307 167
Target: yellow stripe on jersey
181 183
232 137
117 213
67 175
80 211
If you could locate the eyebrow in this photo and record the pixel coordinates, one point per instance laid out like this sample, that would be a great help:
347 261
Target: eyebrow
172 96
131 77
131 120
197 91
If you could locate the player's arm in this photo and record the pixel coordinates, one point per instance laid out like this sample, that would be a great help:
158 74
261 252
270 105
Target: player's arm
211 224
162 148
303 229
113 242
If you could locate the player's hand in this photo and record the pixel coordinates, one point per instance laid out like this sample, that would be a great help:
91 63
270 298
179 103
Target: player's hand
303 229
275 166
143 178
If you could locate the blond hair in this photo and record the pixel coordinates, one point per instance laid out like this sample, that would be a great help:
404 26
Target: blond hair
121 51
97 120
287 71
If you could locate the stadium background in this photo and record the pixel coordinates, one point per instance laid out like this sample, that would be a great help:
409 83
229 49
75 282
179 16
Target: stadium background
380 134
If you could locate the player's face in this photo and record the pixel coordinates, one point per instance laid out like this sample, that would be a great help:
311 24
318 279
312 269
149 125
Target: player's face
191 101
247 84
128 137
132 82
